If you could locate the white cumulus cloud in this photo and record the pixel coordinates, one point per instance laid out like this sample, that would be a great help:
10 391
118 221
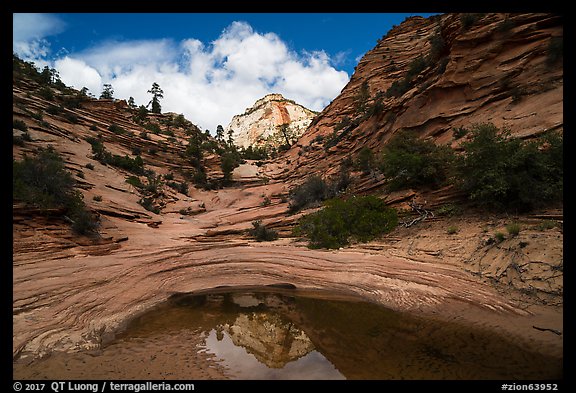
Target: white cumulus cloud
209 82
78 74
29 32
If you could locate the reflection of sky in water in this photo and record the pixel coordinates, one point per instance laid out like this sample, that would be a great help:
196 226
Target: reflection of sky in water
245 365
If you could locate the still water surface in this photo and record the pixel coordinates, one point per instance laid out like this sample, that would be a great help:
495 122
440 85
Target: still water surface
279 336
266 335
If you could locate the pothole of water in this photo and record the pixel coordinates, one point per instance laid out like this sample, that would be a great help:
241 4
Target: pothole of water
264 335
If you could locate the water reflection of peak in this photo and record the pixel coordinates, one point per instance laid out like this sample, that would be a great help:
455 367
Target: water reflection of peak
272 340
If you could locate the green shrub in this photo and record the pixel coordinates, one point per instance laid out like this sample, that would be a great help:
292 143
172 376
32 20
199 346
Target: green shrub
499 237
154 127
365 160
449 210
416 67
169 176
359 218
255 153
38 116
546 224
148 204
46 93
261 233
97 198
72 118
134 181
362 97
411 162
513 229
467 20
398 88
182 188
116 129
229 161
452 230
501 172
555 50
19 125
154 182
199 177
459 132
437 48
54 110
43 182
266 201
83 221
313 190
134 165
93 127
17 140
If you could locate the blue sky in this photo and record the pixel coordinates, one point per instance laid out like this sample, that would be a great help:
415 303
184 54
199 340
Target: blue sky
210 66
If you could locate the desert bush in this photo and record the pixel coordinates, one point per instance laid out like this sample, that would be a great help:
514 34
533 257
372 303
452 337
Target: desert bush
398 88
254 153
261 233
46 93
359 218
449 210
467 20
116 129
546 224
54 110
148 204
266 201
365 160
135 181
513 229
452 230
416 67
555 50
501 172
72 118
229 160
19 125
182 188
411 162
459 132
437 47
154 127
499 237
99 152
97 198
314 189
44 182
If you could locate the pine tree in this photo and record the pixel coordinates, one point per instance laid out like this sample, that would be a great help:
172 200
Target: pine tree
157 93
107 92
131 103
219 133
